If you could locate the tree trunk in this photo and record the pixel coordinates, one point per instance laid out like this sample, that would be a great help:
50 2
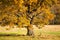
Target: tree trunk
30 30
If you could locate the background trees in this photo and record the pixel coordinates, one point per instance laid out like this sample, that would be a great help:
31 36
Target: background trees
56 9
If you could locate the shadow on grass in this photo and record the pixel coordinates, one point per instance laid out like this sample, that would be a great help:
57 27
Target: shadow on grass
11 35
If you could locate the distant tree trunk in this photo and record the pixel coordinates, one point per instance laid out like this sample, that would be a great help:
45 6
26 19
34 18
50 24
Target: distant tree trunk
30 30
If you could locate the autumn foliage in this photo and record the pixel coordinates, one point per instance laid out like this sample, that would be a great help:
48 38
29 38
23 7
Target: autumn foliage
26 12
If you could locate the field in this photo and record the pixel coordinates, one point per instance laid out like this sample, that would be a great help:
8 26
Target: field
50 32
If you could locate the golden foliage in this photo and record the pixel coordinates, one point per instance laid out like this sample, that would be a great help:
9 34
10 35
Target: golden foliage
17 13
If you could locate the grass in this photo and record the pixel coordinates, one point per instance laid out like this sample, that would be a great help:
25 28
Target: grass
42 37
46 34
54 33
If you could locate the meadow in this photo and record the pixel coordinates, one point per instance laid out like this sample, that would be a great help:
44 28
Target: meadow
50 32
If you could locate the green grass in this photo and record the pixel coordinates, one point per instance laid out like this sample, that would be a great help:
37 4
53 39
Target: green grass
57 33
54 33
45 35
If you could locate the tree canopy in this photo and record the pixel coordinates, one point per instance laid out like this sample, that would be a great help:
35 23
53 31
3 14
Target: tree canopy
26 12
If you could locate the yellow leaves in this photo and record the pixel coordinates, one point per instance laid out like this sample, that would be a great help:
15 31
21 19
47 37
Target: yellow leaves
13 18
11 24
21 3
49 2
47 10
45 16
20 24
39 10
15 1
23 9
1 18
33 0
24 21
52 16
56 1
0 2
21 6
49 15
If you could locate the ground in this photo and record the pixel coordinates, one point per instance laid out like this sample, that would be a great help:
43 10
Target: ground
50 32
